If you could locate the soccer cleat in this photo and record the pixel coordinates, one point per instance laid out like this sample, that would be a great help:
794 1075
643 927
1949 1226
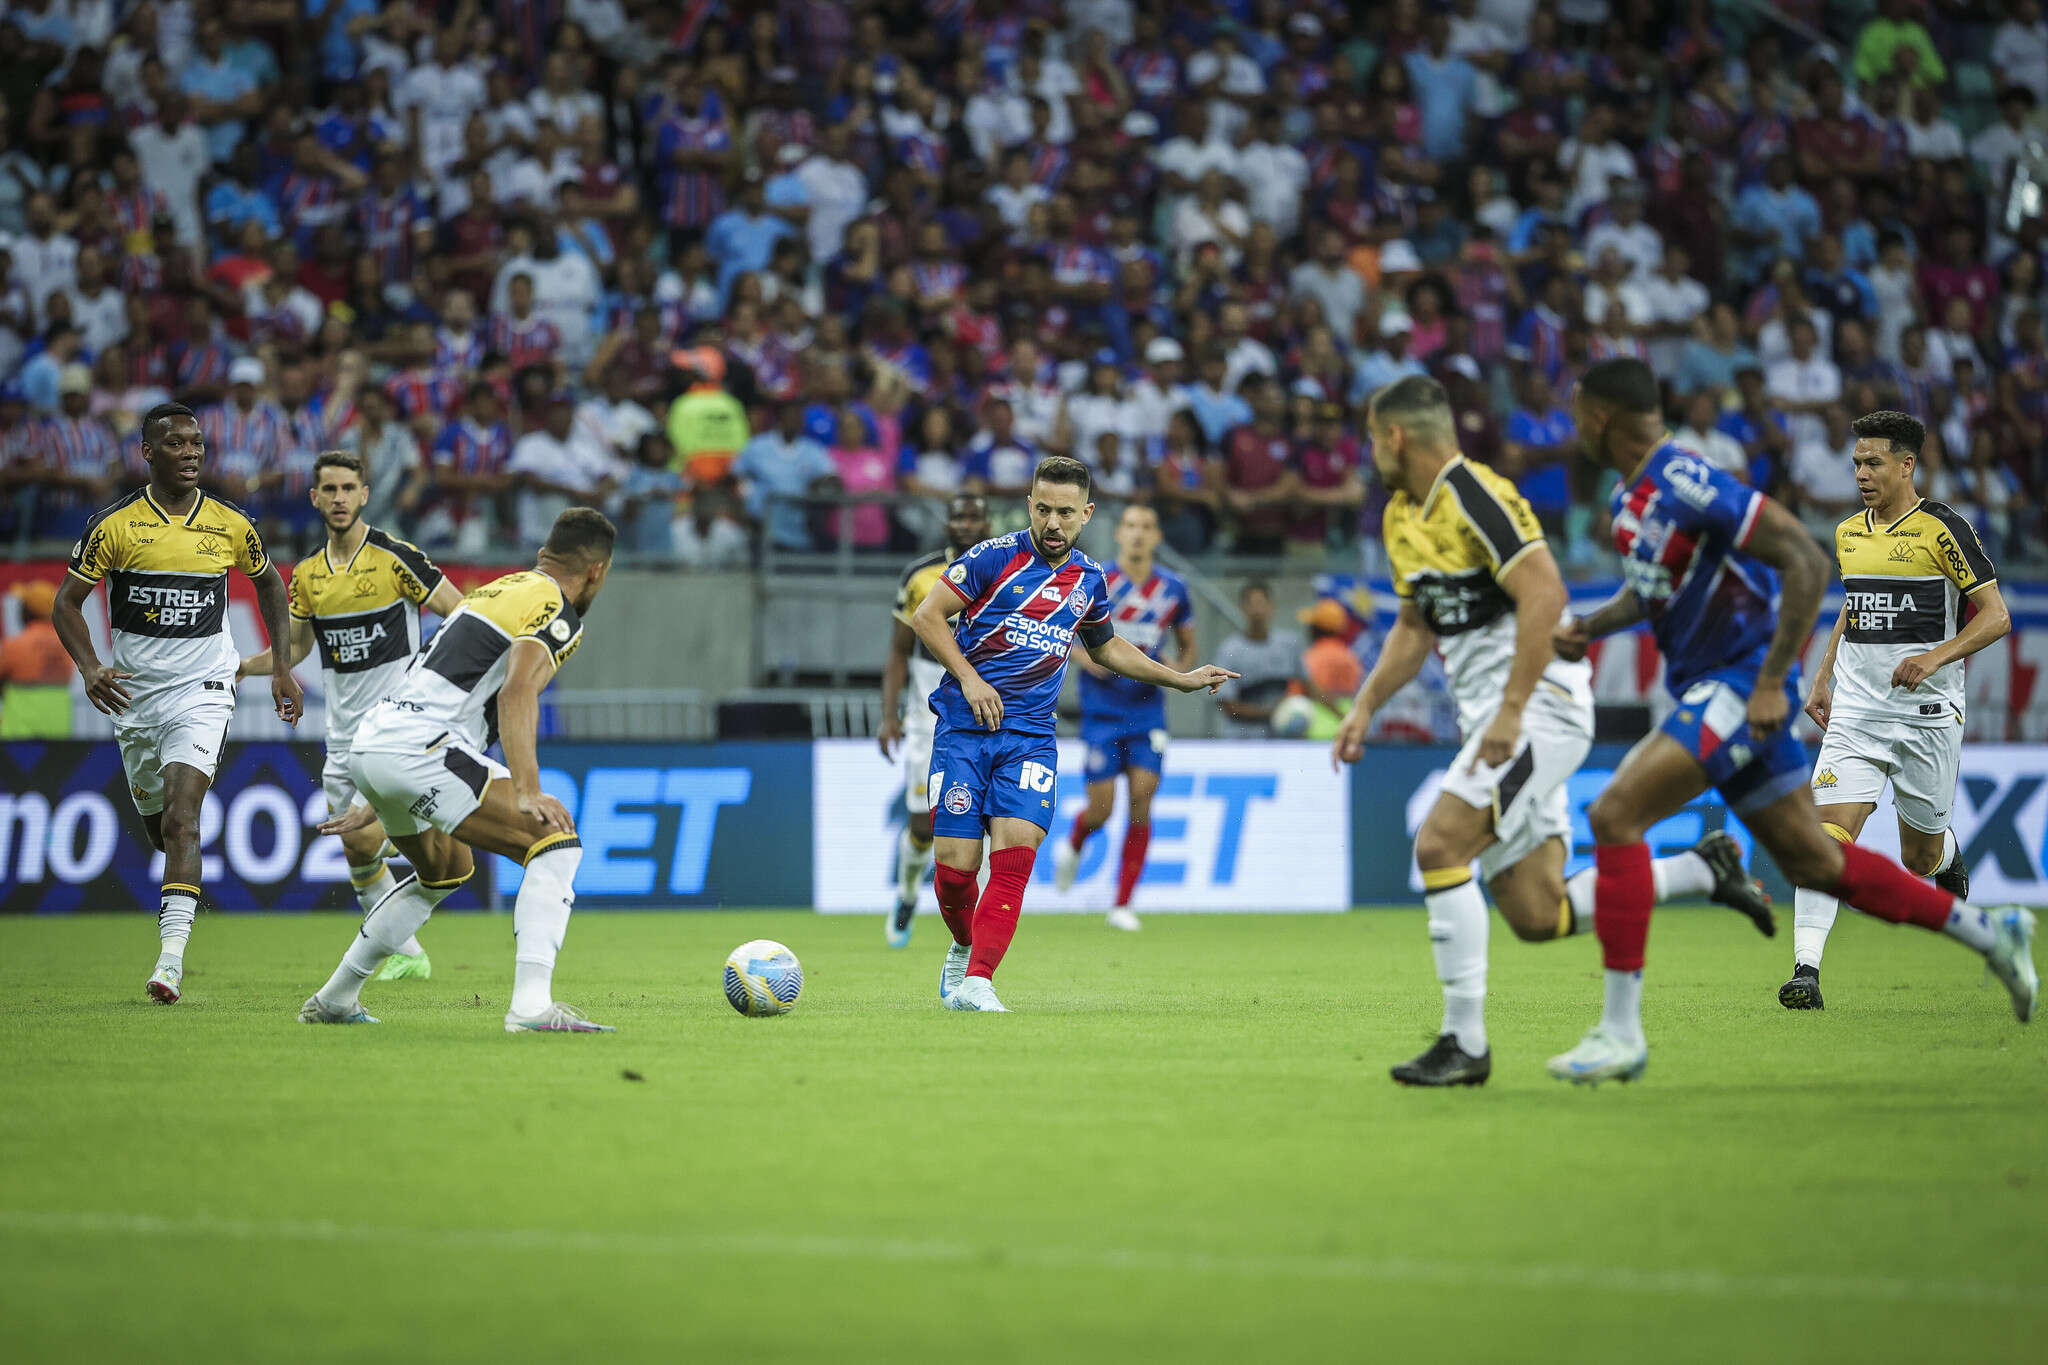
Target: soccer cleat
976 993
167 982
896 928
405 967
556 1018
2012 960
1954 879
955 970
1066 864
1733 886
1802 992
1600 1056
313 1012
1125 919
1444 1064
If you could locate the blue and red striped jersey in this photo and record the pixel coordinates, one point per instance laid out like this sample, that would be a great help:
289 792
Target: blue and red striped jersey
1018 627
1679 527
1146 614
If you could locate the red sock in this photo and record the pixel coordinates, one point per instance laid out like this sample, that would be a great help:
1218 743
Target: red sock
1624 889
995 919
956 900
1081 832
1137 838
1878 886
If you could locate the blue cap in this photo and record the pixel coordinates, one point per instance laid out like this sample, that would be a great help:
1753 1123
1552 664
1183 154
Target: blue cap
1106 356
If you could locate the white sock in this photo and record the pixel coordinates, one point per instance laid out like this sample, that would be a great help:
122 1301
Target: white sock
372 881
1968 924
540 918
1457 938
1621 1014
1579 891
1949 853
174 916
391 923
1682 876
912 859
1813 915
411 947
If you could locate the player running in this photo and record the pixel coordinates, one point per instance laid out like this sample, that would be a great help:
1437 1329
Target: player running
1023 599
418 759
1123 723
360 600
1474 574
165 550
1907 566
1730 584
966 527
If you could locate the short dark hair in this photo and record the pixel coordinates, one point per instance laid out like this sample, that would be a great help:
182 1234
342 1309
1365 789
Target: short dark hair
1061 469
1622 382
581 535
153 420
1255 585
1904 432
1416 399
341 459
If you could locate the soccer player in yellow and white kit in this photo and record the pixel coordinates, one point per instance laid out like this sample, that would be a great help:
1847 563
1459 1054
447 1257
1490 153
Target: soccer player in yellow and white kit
1889 691
1475 575
359 599
164 552
419 761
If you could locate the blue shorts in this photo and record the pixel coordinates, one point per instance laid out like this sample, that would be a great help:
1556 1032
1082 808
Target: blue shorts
1118 744
978 776
1712 721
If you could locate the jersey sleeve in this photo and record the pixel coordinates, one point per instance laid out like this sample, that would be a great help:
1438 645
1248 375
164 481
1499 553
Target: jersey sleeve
296 592
557 626
251 558
1504 526
975 572
907 595
99 551
1097 613
417 574
1958 552
1396 546
1711 500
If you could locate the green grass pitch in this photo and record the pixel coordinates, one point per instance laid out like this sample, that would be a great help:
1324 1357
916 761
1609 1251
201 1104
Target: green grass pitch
1182 1146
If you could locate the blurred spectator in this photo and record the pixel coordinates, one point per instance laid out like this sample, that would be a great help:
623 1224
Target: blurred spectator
1537 450
779 469
649 497
1267 665
706 425
1260 480
709 538
1700 434
35 670
1823 473
2019 49
557 466
998 462
1330 672
1804 384
392 465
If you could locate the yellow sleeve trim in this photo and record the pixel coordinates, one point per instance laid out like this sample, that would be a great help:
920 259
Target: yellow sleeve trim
1516 557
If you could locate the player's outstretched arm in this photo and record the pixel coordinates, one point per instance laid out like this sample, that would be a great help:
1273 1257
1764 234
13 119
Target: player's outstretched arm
102 683
895 672
273 603
1540 602
258 663
933 623
445 598
1121 657
528 669
1820 700
1991 623
1618 612
1402 656
1777 539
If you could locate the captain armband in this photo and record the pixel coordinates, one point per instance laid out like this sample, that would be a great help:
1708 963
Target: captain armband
1095 636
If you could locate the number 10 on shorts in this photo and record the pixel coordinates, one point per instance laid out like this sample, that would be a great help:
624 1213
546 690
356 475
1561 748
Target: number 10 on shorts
1034 777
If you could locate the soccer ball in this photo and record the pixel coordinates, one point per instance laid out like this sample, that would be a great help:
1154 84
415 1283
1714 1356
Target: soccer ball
1293 716
763 978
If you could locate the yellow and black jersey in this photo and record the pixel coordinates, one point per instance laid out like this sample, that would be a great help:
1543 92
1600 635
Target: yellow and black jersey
167 591
1903 589
926 672
451 690
365 616
1449 550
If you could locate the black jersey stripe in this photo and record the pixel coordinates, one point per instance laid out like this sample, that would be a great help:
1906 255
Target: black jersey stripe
1965 536
465 648
411 558
169 606
1483 510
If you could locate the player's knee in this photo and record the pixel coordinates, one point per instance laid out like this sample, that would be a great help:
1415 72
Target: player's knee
1436 848
1921 862
360 847
1813 863
921 826
1612 822
178 826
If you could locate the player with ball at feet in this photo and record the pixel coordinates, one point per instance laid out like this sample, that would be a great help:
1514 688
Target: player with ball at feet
1474 574
1022 601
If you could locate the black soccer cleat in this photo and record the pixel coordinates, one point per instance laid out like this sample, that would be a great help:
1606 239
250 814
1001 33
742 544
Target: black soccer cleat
1954 879
1802 992
1733 886
1444 1064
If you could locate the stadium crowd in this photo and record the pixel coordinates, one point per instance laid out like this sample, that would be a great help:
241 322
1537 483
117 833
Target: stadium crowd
695 262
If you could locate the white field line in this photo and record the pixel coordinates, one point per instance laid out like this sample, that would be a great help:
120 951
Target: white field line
1471 1275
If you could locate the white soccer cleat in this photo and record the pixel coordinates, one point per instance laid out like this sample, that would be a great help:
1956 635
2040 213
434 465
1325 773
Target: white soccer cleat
313 1012
167 982
2011 960
1124 918
1600 1056
1066 865
978 994
955 970
556 1018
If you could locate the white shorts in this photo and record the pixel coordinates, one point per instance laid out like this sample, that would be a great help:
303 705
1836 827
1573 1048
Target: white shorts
190 730
1527 793
410 792
1857 757
919 725
336 782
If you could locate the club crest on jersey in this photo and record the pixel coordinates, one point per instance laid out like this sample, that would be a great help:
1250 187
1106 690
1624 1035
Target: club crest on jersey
559 630
959 800
958 573
364 587
1901 553
1825 779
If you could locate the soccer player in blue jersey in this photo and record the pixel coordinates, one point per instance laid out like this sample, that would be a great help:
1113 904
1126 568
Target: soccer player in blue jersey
1022 601
1730 584
1123 723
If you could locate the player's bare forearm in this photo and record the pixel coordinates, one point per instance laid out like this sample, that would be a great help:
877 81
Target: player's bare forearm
274 606
1781 542
445 598
1618 612
932 621
527 675
260 662
1184 637
1992 623
1401 658
1540 601
69 621
896 669
1125 659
